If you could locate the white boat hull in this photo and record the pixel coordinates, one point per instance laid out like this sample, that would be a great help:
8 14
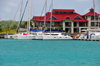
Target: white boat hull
27 37
57 38
38 37
95 37
8 36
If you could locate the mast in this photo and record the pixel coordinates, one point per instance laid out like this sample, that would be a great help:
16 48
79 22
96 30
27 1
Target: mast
45 14
20 12
51 15
21 9
94 13
29 15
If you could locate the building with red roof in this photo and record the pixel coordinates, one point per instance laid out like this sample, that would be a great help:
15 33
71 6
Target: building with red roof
92 23
67 18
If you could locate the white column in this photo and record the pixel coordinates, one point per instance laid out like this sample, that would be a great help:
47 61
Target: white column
85 24
89 22
77 24
72 27
79 30
33 24
53 24
98 22
63 25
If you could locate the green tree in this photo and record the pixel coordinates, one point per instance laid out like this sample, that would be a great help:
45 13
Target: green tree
1 29
60 28
25 24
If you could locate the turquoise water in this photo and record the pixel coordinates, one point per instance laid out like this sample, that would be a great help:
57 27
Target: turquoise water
49 53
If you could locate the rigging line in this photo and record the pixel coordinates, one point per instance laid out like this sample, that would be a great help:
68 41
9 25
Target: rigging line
21 10
48 11
15 16
16 11
41 13
22 15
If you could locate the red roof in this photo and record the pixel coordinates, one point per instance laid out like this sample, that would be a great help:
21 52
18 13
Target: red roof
63 10
60 17
91 13
37 18
91 9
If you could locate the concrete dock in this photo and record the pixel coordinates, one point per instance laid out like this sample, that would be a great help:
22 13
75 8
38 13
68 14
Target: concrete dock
2 35
86 39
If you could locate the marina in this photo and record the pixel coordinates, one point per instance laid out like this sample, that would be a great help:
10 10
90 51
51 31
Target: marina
37 38
60 24
50 33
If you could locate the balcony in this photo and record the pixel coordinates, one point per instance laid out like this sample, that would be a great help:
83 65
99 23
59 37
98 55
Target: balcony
95 21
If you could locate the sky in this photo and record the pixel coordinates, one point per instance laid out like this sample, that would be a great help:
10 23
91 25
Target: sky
8 8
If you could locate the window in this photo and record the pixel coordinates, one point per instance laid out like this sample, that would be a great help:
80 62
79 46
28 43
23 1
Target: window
54 34
86 17
92 17
47 34
77 17
67 17
71 12
91 10
52 17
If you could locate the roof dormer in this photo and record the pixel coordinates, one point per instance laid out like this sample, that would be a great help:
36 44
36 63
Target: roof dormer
53 17
77 17
67 17
91 10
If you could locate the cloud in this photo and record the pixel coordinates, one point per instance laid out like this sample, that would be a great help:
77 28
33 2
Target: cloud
7 9
12 4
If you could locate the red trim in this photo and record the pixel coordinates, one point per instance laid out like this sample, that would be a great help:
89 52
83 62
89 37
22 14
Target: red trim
25 34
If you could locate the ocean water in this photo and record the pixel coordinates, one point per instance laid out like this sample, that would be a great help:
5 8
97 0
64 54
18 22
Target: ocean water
49 53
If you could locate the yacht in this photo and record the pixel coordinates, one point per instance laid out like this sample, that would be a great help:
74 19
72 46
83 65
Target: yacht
95 36
8 36
38 36
56 36
11 36
27 36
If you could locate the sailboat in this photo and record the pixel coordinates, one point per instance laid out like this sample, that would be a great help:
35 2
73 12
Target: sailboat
55 35
39 35
12 36
25 35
